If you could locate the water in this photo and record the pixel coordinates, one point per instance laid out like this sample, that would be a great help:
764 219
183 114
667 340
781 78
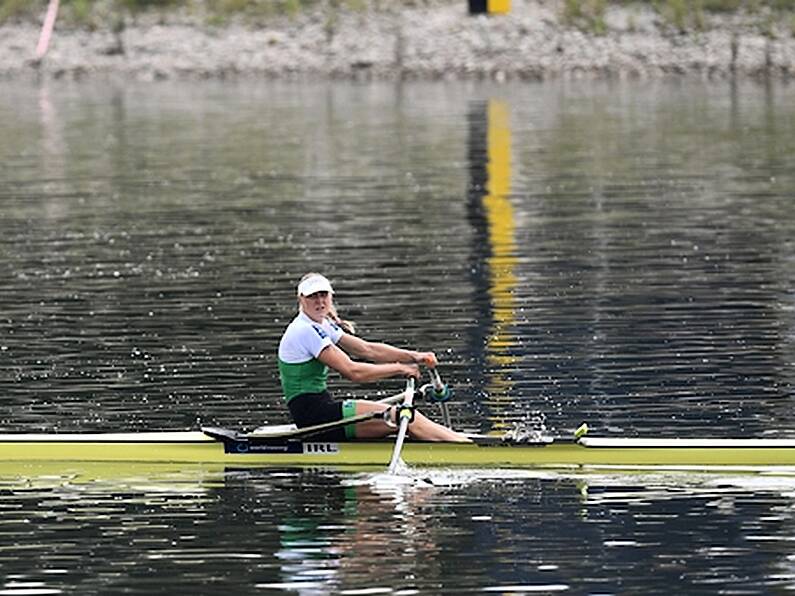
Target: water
320 532
620 254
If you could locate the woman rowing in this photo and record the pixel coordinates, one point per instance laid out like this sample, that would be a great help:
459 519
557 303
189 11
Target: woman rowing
316 340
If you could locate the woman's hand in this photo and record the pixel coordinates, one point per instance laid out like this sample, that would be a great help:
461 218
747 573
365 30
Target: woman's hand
411 370
426 358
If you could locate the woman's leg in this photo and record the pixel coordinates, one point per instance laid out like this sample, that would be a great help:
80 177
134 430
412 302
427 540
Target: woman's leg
422 428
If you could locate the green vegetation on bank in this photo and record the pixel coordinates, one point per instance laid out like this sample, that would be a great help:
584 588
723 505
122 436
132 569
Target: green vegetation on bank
92 12
588 15
683 15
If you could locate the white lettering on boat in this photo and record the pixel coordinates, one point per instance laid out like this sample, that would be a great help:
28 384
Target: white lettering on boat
320 448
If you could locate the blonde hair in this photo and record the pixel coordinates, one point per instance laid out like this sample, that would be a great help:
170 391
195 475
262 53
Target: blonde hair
347 326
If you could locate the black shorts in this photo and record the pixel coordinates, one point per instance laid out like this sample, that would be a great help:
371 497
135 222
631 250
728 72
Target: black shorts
309 409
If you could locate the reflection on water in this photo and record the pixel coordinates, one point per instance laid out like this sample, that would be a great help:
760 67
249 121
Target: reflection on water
491 213
319 532
616 253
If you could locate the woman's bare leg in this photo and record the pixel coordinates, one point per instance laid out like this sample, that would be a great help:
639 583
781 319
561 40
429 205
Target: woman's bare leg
426 429
422 428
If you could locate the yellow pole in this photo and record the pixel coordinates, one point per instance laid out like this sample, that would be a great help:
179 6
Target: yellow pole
499 6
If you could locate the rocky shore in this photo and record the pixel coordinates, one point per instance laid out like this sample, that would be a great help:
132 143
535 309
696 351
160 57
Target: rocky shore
435 40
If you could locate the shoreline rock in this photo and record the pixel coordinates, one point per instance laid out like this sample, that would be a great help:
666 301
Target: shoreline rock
439 41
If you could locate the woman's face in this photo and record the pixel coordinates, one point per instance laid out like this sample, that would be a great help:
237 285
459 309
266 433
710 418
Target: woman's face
316 306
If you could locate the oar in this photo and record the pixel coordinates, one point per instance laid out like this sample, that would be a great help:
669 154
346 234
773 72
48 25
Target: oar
405 414
279 432
439 393
307 431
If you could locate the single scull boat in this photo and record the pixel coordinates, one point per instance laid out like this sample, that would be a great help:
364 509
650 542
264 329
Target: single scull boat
277 446
287 446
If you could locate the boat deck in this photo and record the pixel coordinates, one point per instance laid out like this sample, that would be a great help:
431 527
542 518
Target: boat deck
230 447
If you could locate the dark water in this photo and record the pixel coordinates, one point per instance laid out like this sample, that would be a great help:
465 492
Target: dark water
621 254
321 532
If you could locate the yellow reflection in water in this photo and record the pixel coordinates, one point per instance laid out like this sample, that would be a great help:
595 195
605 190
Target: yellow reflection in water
502 262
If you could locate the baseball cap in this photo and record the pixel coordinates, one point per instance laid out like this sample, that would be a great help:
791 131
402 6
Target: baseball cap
314 283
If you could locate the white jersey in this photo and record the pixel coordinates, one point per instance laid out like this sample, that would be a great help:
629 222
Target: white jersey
304 339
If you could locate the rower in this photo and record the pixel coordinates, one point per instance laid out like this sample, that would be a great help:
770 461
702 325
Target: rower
318 339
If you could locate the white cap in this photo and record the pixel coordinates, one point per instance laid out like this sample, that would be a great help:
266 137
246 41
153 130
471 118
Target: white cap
314 283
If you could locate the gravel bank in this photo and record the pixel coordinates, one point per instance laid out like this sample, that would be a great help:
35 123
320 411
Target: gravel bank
436 41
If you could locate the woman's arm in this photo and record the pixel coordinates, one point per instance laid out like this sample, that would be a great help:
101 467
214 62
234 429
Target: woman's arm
380 352
363 372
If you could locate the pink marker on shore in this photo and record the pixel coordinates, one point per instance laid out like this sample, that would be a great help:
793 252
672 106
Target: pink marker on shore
46 29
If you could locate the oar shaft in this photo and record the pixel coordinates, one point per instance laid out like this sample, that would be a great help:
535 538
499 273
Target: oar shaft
436 379
308 431
445 415
392 399
404 413
439 386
